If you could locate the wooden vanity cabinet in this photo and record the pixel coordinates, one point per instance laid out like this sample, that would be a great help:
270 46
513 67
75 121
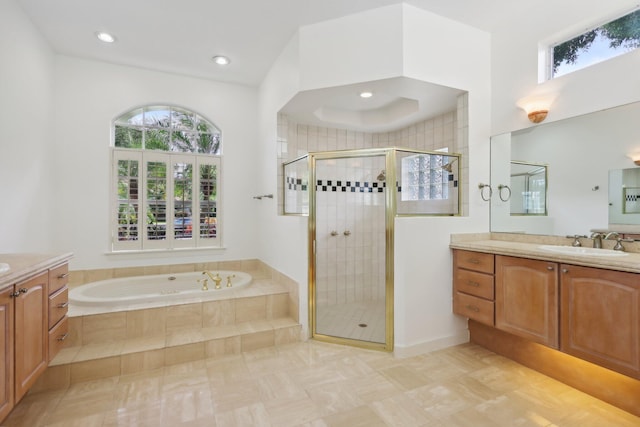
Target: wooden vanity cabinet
58 308
473 288
31 338
6 352
526 298
601 317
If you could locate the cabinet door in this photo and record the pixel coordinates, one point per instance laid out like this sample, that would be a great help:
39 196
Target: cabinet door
31 332
601 317
527 299
6 352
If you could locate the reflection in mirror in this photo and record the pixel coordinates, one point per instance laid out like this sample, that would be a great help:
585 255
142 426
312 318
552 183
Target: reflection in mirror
580 152
624 196
528 189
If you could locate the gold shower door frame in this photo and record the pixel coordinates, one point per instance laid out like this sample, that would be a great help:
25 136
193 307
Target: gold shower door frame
390 209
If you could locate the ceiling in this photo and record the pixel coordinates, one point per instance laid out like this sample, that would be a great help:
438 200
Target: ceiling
182 36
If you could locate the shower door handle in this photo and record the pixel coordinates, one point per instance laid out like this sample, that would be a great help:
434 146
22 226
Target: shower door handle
347 233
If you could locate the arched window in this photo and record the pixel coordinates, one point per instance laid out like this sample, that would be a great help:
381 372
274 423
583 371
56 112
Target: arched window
166 164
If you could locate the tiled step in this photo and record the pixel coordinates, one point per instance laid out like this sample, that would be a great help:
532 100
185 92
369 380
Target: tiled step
126 342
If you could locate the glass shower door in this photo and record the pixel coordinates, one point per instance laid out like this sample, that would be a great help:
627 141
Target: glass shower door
350 277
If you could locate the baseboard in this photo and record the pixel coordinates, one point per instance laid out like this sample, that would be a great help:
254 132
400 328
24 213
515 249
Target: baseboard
402 352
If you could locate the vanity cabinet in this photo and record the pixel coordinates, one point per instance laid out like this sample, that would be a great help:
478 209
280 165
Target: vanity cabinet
473 287
58 307
601 317
6 352
33 309
31 336
526 298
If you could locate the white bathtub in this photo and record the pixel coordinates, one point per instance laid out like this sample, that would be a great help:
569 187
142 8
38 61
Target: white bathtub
162 289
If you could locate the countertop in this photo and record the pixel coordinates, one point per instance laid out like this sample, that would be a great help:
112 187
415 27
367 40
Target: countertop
525 246
23 266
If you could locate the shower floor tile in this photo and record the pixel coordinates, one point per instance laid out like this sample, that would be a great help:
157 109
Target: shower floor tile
363 321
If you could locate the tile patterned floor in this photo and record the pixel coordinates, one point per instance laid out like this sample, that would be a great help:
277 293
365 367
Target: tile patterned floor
318 385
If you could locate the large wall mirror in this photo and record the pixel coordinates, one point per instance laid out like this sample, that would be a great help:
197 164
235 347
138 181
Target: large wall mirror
590 182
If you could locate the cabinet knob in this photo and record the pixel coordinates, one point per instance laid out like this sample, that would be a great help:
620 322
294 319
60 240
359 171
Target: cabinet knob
23 290
550 268
473 308
472 283
14 294
474 261
63 304
564 270
63 276
63 337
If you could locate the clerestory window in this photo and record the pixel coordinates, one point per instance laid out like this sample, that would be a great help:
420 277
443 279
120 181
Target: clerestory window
166 178
607 41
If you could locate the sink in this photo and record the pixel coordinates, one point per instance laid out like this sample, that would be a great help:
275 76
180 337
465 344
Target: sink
581 251
4 267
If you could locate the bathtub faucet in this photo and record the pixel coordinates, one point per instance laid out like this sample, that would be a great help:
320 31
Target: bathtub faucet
229 280
204 284
217 279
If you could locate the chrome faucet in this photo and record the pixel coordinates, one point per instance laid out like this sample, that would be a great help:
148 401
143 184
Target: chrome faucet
576 240
216 279
618 246
596 236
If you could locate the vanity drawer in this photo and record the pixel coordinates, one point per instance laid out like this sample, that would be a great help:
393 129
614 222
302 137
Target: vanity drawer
476 261
57 337
471 282
58 277
474 308
58 305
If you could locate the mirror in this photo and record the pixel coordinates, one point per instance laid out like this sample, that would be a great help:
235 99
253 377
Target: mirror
527 192
585 157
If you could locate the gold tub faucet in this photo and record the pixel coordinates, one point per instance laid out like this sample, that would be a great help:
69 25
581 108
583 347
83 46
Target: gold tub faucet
216 279
229 280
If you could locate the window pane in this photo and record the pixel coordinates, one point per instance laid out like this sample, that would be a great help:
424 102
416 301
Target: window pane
183 200
126 137
182 119
156 200
159 117
183 141
208 143
156 139
133 117
605 42
208 197
128 204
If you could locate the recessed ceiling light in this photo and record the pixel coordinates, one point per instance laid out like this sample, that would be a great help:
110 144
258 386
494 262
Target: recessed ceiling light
366 94
221 60
105 37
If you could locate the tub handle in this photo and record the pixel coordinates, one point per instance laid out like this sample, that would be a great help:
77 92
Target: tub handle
63 304
63 337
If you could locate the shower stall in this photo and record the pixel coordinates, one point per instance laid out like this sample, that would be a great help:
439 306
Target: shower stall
351 198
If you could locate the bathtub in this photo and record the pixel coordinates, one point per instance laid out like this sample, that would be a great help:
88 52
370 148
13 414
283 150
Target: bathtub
161 289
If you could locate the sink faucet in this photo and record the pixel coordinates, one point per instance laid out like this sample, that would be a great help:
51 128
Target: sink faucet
217 279
597 239
618 239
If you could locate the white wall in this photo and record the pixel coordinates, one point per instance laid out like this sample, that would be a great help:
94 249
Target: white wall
26 145
88 96
423 312
515 64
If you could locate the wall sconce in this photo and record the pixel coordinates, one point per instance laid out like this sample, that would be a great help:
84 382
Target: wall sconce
536 108
635 157
637 162
537 116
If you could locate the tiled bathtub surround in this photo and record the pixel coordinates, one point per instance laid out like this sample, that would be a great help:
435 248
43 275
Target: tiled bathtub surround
104 344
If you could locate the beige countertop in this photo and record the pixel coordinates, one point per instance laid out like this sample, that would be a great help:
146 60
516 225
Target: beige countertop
23 266
526 246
